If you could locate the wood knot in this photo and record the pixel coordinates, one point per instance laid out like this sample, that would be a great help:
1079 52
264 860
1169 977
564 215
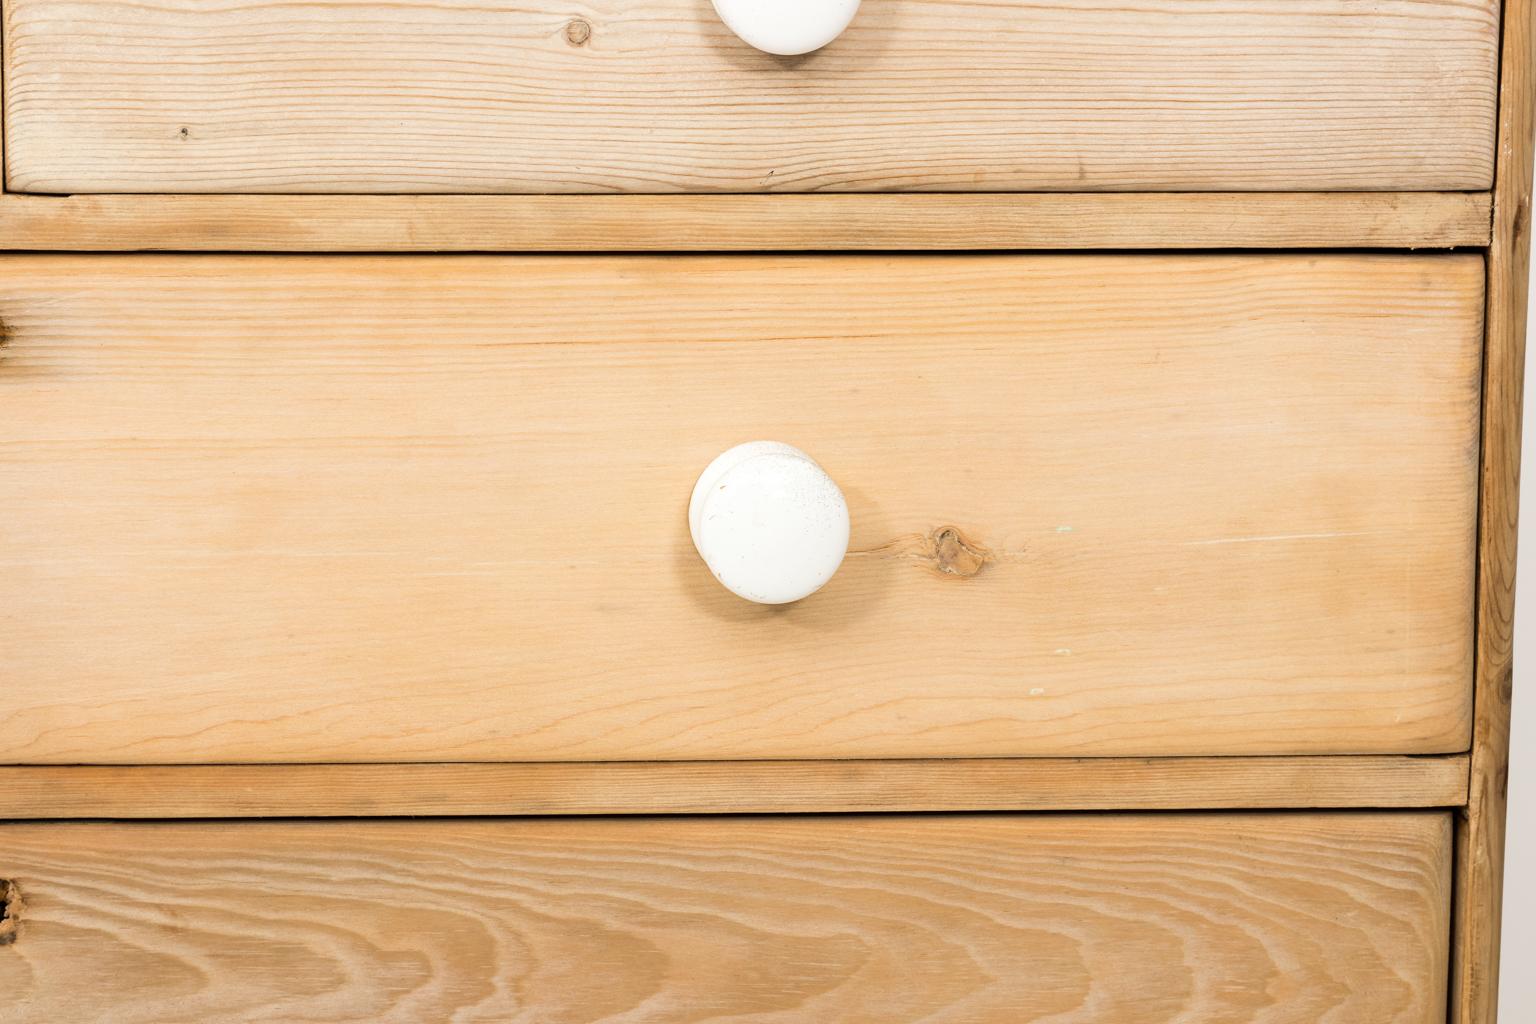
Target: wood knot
577 32
10 910
954 555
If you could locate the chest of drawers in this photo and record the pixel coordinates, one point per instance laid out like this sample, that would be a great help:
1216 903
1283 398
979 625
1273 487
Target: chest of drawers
356 365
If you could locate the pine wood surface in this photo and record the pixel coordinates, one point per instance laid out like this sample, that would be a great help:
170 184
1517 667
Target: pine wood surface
396 508
783 221
729 787
1249 919
353 96
1480 836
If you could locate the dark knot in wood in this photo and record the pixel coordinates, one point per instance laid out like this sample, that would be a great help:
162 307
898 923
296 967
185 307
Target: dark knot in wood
10 910
955 555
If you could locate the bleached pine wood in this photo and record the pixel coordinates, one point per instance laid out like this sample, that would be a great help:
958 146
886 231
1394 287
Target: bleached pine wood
934 95
730 787
1267 919
1412 220
1480 835
401 508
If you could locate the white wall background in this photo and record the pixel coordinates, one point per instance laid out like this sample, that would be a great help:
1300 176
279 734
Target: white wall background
1517 971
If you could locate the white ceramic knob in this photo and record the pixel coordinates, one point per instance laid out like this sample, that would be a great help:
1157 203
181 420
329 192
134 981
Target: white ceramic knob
787 27
769 522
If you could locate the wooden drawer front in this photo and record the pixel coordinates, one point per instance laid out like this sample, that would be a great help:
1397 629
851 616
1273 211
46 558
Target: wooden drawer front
379 508
359 96
1259 920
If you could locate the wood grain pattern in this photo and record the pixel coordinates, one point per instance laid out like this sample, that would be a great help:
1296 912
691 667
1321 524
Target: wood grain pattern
431 508
1409 220
1274 919
729 787
933 95
1480 838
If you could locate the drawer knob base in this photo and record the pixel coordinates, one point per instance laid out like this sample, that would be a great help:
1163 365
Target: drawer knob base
787 27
